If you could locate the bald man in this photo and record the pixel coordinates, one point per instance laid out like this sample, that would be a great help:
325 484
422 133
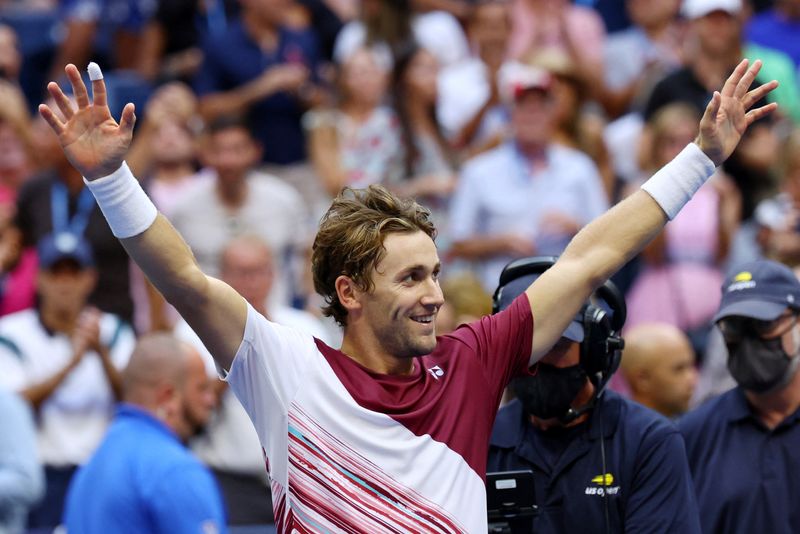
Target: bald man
658 363
142 478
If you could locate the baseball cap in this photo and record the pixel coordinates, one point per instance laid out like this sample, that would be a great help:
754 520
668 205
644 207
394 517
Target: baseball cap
517 287
55 247
694 9
515 78
761 290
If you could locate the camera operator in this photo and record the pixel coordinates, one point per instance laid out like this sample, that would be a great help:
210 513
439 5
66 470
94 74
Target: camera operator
601 463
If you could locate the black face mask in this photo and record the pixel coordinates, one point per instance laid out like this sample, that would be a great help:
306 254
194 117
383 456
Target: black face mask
551 390
760 365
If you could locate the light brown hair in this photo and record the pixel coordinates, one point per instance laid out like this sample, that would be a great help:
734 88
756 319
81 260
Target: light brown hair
351 235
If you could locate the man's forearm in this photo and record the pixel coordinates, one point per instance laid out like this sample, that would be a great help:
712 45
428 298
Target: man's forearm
37 394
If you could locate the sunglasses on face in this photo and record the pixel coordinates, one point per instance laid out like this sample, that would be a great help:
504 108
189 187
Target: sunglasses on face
736 328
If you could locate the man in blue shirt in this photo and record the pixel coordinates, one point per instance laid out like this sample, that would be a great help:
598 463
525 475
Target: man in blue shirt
260 68
600 462
744 446
142 478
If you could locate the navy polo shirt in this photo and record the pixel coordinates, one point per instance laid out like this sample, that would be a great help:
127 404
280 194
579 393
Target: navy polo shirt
747 477
233 59
646 486
142 479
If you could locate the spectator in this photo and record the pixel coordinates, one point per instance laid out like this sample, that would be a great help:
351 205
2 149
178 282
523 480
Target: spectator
56 201
713 44
229 444
573 29
240 200
428 173
469 107
601 463
681 269
528 196
742 445
261 68
64 358
658 365
776 224
110 31
10 56
21 477
16 143
391 26
357 142
638 57
142 478
465 301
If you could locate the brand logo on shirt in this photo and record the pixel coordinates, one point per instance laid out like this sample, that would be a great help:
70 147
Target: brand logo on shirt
436 371
602 485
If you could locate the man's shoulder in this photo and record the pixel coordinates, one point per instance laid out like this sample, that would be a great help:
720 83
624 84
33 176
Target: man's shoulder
707 415
21 324
642 421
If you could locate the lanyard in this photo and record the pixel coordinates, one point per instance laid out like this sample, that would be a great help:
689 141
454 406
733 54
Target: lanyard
59 204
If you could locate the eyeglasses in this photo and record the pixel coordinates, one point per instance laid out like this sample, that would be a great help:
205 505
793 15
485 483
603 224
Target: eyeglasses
736 328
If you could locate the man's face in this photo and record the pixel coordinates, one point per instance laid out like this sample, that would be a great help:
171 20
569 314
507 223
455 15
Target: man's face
489 29
232 152
565 353
197 396
65 286
646 13
401 309
532 117
250 271
673 378
718 32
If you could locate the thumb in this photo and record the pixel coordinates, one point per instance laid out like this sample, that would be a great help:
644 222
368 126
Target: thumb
128 118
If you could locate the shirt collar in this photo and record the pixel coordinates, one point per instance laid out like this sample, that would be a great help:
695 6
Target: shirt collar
509 428
131 411
738 409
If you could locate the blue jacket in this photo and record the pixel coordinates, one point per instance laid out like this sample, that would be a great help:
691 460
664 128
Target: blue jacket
142 479
646 487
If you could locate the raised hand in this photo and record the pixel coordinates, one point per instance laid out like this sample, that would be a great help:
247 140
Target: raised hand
91 139
727 117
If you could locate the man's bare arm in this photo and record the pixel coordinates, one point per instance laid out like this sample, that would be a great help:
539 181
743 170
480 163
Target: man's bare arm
96 146
607 243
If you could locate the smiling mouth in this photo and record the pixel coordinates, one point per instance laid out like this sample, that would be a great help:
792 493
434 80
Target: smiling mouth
423 319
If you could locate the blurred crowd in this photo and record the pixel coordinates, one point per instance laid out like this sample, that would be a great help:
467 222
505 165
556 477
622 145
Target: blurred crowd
516 122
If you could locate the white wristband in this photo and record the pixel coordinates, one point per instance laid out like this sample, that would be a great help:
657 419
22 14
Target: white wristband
677 181
125 205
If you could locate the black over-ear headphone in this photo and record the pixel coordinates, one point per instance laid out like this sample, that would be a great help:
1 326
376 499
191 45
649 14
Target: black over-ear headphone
601 348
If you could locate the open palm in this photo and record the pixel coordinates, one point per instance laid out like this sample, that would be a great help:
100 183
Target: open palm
92 140
727 117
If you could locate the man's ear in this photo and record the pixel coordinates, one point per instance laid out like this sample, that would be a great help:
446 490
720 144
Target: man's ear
348 292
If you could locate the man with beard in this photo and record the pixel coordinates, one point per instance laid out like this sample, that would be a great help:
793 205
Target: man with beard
388 432
142 478
743 445
601 463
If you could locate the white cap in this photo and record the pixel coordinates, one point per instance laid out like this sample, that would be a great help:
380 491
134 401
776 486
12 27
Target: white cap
694 9
516 78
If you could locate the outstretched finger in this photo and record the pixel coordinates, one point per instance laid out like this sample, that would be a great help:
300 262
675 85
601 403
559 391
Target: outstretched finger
758 93
128 118
730 84
755 114
78 87
98 85
747 80
62 101
51 119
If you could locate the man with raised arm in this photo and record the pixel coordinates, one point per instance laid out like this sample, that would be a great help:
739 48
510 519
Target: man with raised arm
389 432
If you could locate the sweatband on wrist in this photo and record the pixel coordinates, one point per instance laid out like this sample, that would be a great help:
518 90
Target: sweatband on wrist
125 205
677 181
